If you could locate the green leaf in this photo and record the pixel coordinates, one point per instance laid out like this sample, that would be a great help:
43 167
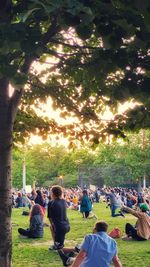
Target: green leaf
142 4
19 80
8 70
84 31
24 16
147 19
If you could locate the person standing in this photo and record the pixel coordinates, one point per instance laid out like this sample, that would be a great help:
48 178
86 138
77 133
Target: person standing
57 215
98 249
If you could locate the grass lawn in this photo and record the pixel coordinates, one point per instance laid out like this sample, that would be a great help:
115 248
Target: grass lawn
30 253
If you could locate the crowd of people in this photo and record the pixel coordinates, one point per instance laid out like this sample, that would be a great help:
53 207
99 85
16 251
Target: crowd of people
98 248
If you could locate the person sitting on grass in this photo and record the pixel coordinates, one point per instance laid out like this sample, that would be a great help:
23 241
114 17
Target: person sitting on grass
98 249
35 229
141 230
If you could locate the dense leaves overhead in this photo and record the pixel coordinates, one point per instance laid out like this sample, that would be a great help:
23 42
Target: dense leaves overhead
99 54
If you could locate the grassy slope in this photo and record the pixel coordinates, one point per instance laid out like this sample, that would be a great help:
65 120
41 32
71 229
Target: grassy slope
27 253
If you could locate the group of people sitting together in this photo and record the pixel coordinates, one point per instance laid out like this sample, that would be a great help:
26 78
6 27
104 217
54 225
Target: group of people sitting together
98 248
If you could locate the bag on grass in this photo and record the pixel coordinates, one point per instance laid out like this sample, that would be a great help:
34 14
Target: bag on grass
25 213
115 233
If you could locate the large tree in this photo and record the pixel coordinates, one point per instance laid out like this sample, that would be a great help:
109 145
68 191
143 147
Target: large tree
101 51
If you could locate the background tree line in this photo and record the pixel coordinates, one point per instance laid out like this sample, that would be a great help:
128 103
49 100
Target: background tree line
120 162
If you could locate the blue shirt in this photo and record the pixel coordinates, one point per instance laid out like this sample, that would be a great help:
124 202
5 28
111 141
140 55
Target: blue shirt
100 249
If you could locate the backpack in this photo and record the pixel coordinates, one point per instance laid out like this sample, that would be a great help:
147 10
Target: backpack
115 233
25 213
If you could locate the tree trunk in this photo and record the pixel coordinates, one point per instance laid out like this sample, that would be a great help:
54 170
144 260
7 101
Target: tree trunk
5 175
144 182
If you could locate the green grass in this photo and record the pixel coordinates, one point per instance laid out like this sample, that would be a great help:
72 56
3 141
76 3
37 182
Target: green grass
30 253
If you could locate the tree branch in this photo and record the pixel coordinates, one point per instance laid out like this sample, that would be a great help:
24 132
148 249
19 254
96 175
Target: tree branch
5 10
76 46
52 30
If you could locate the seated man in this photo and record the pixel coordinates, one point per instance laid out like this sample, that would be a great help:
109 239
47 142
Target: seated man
141 231
98 249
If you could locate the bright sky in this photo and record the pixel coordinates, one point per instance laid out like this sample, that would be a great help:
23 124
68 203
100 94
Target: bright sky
47 110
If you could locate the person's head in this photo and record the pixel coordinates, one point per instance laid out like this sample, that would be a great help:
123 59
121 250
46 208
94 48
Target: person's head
100 226
144 207
36 210
39 193
56 191
84 192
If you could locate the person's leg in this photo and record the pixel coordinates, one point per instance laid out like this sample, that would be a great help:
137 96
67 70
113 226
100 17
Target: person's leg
63 257
52 233
53 237
83 215
59 238
23 232
138 238
87 214
92 215
130 230
113 209
66 258
59 244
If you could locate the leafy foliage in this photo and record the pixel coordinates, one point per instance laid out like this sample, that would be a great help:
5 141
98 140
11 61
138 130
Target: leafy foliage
113 164
100 52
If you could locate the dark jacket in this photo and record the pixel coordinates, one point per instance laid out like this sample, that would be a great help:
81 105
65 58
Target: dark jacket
57 212
39 200
36 226
19 202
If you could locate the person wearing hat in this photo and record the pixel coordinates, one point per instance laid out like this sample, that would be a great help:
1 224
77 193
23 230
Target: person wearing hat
141 230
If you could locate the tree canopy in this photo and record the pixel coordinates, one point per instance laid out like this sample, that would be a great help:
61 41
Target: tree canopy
100 57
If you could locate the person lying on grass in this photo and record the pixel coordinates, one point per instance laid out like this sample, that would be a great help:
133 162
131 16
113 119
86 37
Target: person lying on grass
141 230
35 229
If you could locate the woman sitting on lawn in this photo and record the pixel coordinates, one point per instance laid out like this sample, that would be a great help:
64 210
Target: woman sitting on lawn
141 231
35 229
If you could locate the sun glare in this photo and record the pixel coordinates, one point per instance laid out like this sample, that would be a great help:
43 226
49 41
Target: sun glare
46 110
34 140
